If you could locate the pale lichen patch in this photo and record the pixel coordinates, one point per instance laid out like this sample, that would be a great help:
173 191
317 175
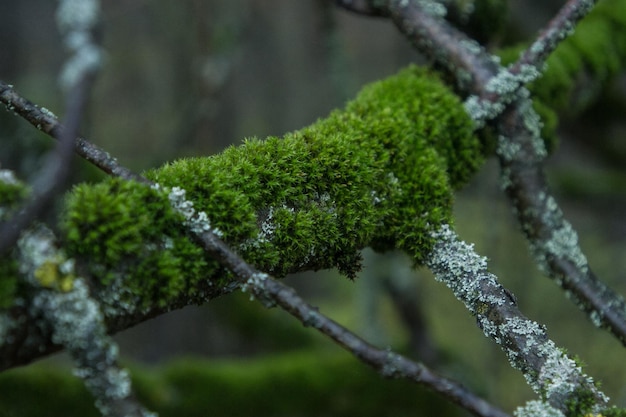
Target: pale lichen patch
196 221
537 408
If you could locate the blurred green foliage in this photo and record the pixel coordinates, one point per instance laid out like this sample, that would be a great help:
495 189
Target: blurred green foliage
298 384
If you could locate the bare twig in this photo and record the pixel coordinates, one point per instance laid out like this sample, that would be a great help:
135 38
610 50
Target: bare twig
46 121
386 362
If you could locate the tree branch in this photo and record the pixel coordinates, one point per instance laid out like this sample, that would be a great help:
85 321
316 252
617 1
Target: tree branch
51 179
462 58
557 30
547 369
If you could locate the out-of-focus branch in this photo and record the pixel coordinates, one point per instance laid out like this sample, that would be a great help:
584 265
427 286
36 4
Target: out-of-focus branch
559 28
407 304
74 320
52 177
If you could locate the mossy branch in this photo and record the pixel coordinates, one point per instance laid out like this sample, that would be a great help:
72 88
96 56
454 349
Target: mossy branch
323 192
380 173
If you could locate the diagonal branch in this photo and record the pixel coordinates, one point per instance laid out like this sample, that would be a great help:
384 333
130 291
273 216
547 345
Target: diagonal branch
551 374
384 361
452 51
559 28
46 121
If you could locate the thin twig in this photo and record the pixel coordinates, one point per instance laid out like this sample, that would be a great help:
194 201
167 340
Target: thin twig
386 362
559 28
46 121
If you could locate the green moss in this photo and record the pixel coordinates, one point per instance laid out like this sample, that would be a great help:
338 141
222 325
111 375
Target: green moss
8 281
12 193
379 173
125 229
581 402
614 412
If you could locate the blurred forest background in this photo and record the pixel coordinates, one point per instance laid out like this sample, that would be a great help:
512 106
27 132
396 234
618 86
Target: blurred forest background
190 77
